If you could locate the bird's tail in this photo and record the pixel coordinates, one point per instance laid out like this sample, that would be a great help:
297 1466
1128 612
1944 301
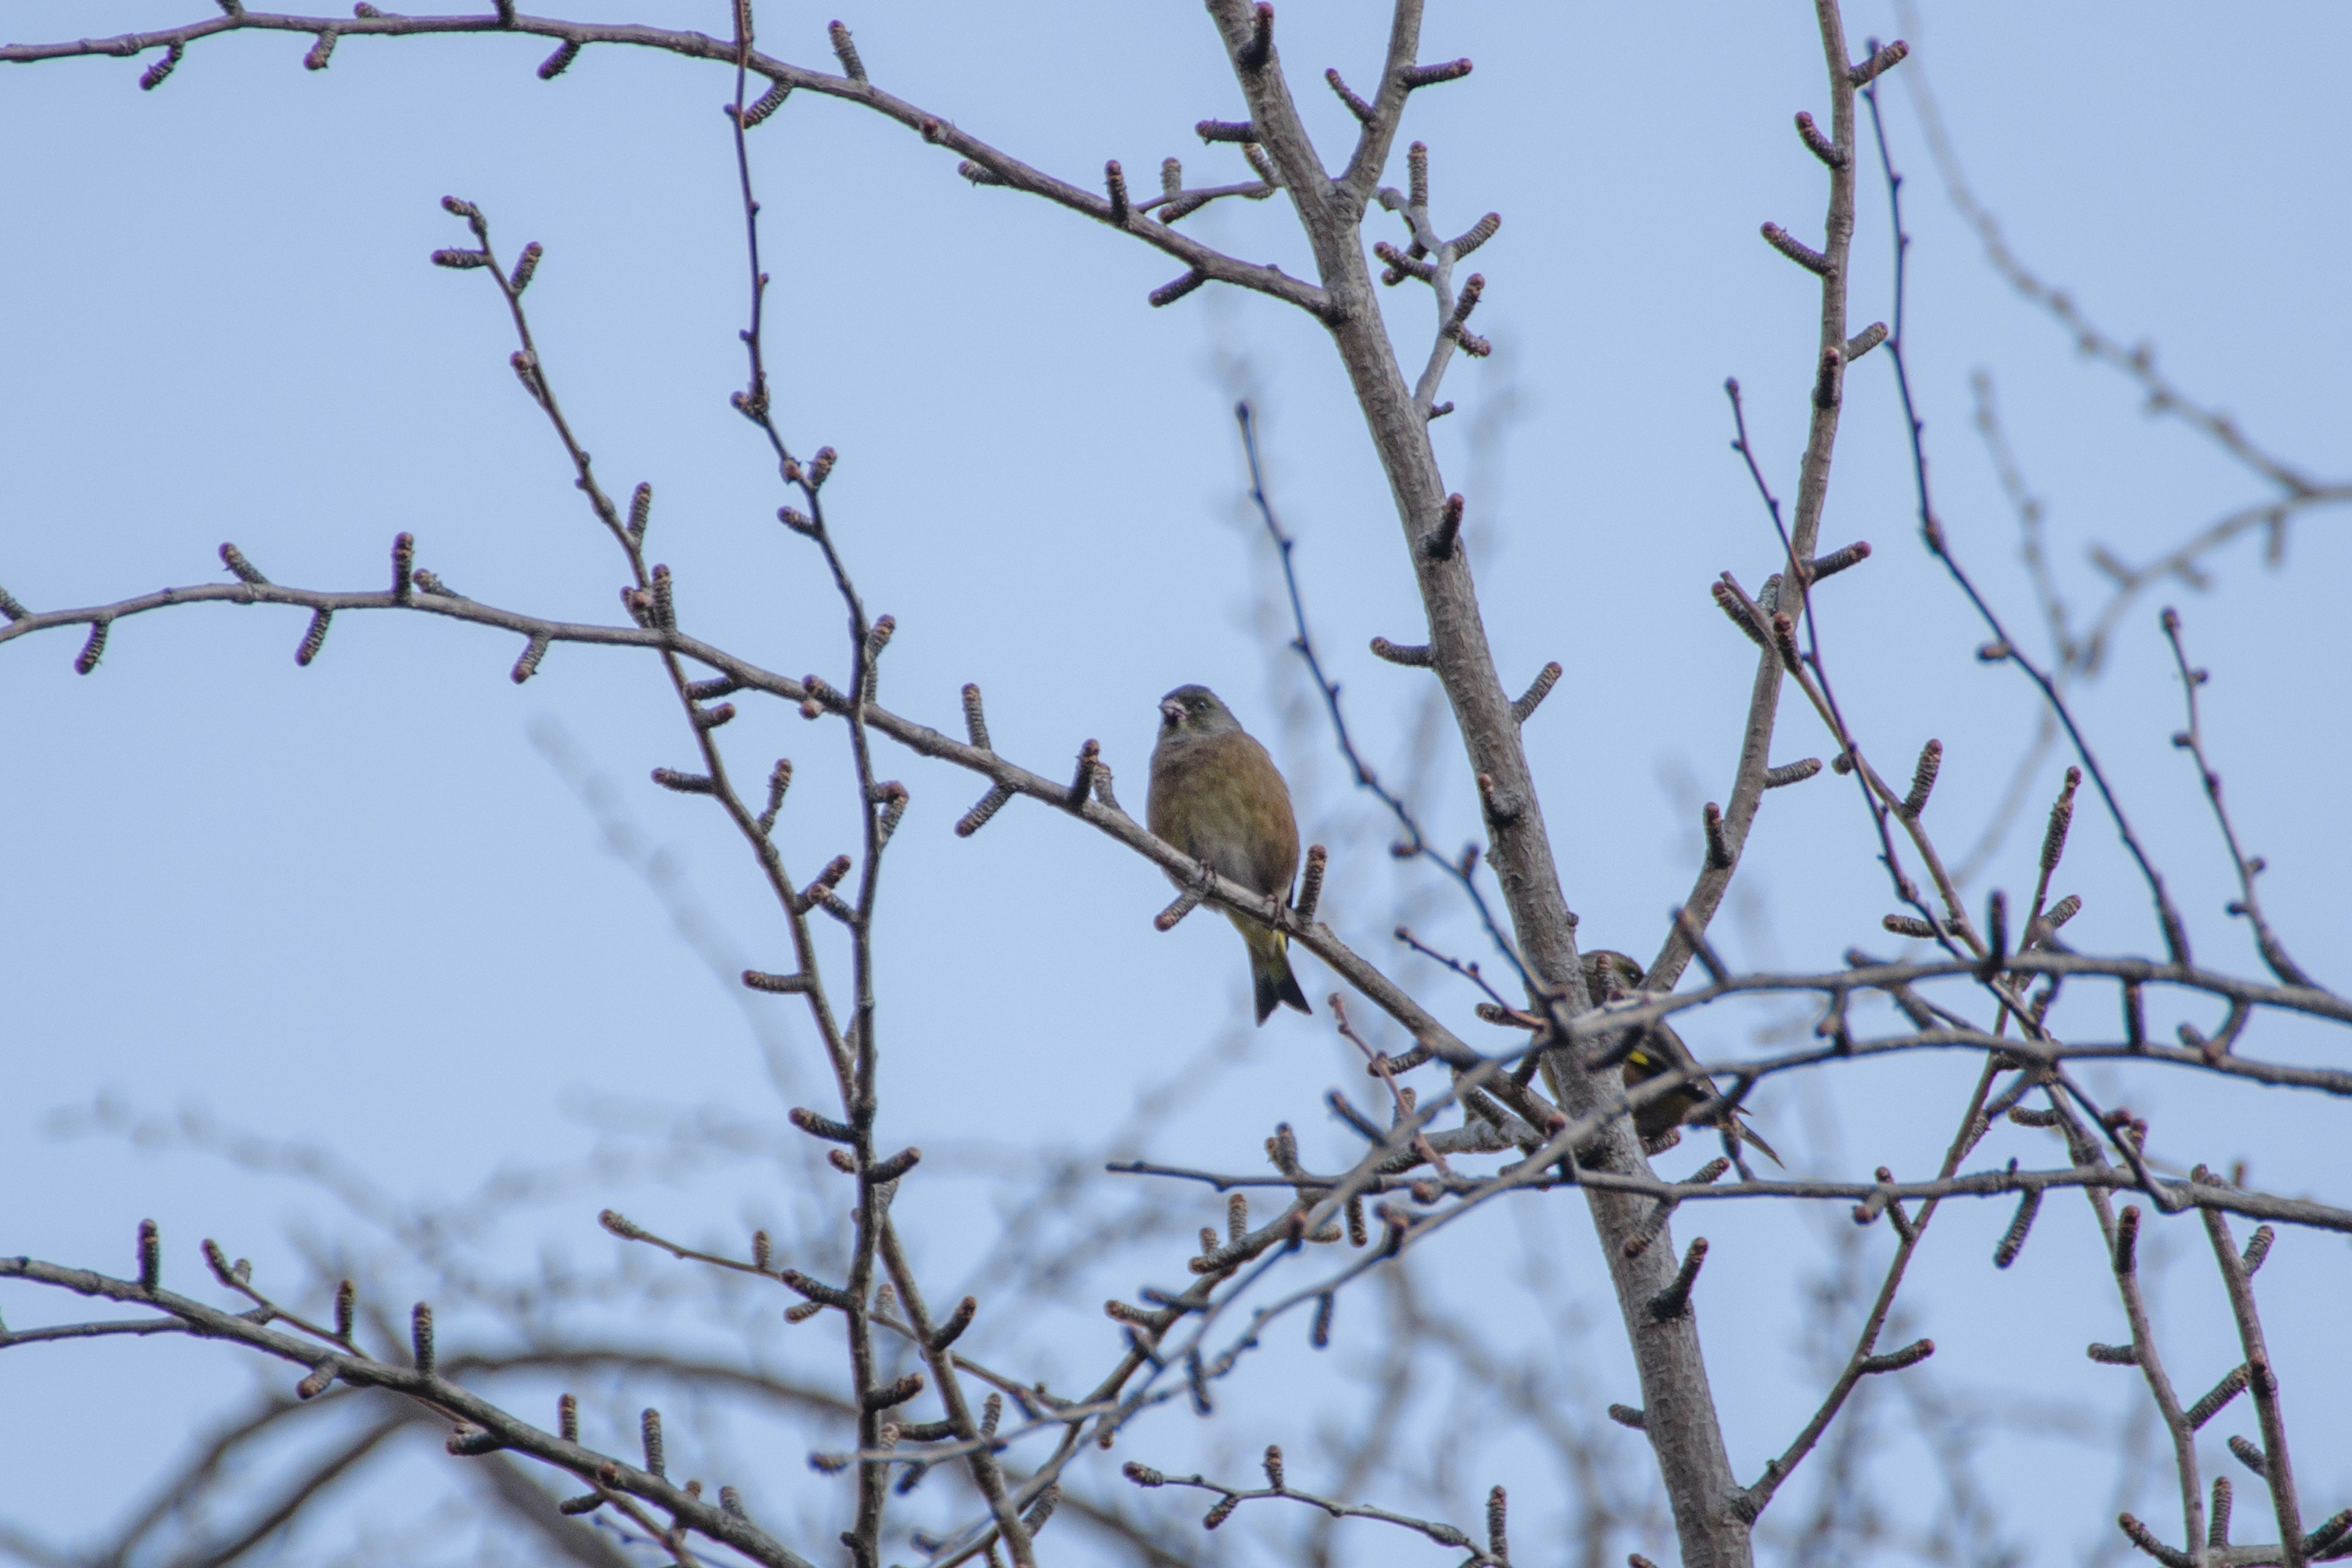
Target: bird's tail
1270 969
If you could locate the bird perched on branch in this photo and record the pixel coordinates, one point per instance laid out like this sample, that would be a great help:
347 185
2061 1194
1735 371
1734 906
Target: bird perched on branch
1658 1049
1216 795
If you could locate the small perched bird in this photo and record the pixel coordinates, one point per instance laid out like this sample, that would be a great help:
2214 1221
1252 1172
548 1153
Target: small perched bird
1609 975
1216 795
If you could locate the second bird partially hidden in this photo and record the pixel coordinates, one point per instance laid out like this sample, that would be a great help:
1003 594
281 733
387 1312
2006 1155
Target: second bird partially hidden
1216 795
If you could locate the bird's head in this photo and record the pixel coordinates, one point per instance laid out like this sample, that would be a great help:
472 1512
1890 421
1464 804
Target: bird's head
1190 712
1608 975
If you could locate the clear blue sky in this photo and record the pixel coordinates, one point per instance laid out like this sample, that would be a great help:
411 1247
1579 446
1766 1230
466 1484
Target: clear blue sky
354 903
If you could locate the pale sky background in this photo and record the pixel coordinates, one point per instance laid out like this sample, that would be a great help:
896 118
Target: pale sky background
355 904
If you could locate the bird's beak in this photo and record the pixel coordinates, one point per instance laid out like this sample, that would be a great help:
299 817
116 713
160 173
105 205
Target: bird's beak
1172 711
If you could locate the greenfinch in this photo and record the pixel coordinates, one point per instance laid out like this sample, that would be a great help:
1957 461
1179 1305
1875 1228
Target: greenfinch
1609 975
1216 795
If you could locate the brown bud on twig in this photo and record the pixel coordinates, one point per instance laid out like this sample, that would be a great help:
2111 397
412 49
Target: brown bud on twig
1738 606
817 1124
1310 883
946 1333
2146 1540
1791 772
1476 234
403 563
316 60
1674 1300
1417 76
892 1168
1796 250
665 602
2114 1356
2258 1248
1414 655
151 1255
2013 1241
777 985
845 52
1719 847
976 721
316 638
1274 1466
234 559
1416 168
683 783
1523 707
1320 1333
1115 179
556 63
818 1292
1825 377
2061 815
991 802
1895 1361
525 667
1226 131
460 261
1082 785
2211 1403
1885 59
769 102
827 881
322 1378
977 174
11 606
1819 145
1402 266
1923 780
347 1298
153 76
1169 293
1837 560
218 1261
1439 545
1863 341
1258 47
1356 106
649 1427
2327 1535
1359 1233
780 779
2127 1240
420 1336
1996 933
1465 302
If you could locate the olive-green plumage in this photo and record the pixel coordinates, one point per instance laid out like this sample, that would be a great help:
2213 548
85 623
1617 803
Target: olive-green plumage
1609 975
1216 795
